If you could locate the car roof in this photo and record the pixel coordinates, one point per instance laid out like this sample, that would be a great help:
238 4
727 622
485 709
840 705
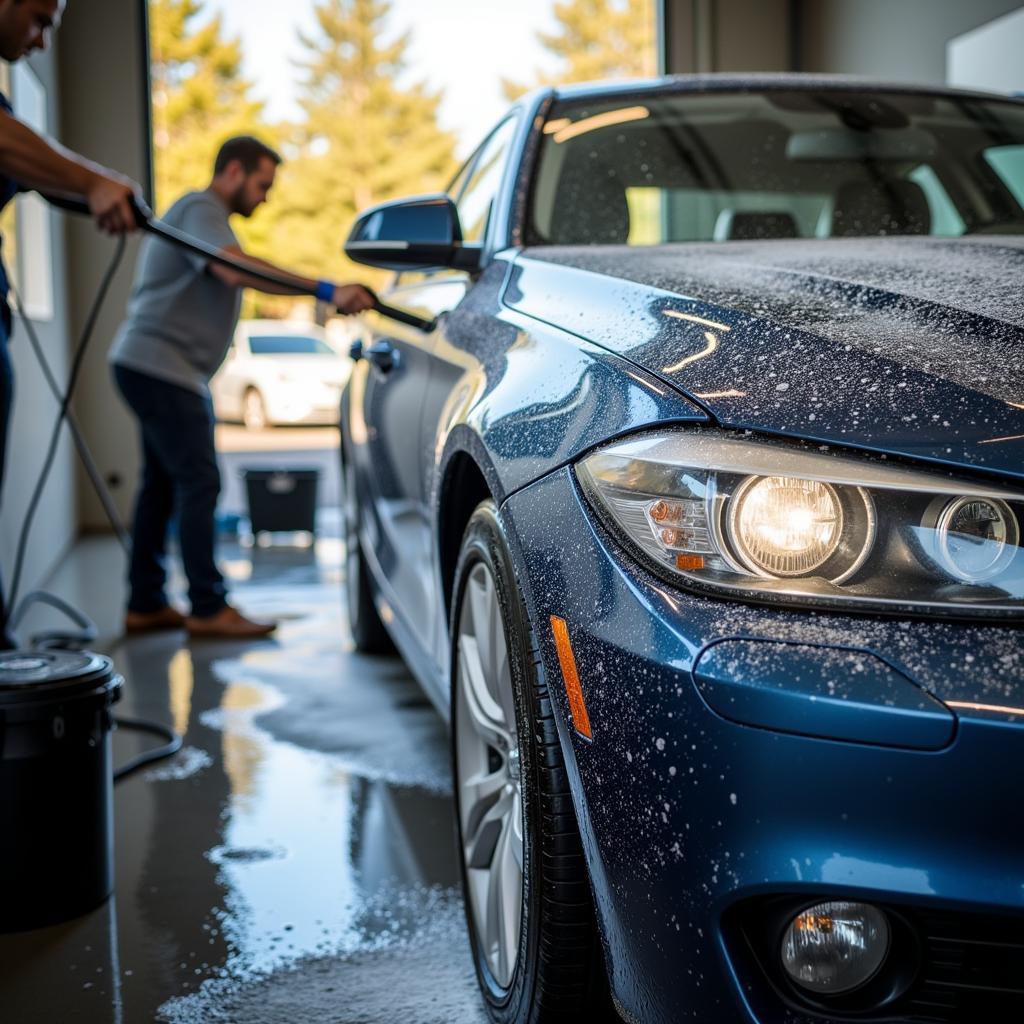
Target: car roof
764 81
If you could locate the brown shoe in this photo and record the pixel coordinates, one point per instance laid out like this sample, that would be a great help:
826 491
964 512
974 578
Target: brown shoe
228 623
148 622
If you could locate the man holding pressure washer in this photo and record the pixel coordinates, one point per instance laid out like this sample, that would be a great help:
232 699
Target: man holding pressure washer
28 161
181 318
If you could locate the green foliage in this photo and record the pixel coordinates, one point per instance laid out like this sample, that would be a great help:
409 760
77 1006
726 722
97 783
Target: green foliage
597 39
199 95
365 138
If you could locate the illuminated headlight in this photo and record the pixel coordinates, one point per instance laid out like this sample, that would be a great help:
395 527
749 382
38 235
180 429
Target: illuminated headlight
790 523
786 527
834 948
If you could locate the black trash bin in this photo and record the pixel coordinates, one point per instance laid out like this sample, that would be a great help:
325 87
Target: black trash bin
282 499
56 785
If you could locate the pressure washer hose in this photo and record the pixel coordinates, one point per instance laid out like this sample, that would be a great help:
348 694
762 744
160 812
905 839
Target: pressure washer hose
149 222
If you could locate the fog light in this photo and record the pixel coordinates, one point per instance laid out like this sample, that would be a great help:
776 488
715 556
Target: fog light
834 948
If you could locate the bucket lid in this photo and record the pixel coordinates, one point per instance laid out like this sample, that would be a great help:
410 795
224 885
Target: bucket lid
31 675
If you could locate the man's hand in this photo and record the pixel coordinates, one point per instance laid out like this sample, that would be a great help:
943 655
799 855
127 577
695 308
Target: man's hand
353 298
109 200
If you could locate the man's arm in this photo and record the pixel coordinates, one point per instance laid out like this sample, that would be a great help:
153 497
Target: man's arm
37 163
347 298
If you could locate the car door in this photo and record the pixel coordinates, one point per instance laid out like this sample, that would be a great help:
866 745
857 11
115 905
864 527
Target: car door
451 359
399 400
388 385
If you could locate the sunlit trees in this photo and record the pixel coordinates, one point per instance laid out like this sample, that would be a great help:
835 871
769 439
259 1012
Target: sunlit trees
597 39
200 97
364 138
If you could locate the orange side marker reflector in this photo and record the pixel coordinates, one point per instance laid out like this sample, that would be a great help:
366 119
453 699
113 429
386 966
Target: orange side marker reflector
577 706
689 561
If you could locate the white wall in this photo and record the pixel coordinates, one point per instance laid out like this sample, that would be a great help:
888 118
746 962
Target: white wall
35 410
898 40
895 40
105 104
990 57
97 103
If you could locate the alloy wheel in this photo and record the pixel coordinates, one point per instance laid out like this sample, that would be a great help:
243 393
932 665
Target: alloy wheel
488 776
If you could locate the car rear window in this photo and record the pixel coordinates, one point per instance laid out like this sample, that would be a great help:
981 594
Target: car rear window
287 344
717 166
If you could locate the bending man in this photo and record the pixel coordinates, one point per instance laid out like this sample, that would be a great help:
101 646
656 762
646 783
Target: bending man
181 318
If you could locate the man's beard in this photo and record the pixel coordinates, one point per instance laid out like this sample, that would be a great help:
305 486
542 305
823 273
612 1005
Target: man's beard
237 202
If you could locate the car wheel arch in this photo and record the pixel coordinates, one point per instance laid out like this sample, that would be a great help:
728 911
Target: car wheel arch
463 486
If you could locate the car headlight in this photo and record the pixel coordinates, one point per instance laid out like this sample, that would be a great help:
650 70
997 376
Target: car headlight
788 523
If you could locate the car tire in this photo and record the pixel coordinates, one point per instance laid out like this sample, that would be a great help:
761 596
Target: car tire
254 410
509 778
369 634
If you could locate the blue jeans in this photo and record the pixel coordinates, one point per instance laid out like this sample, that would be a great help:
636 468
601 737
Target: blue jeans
179 476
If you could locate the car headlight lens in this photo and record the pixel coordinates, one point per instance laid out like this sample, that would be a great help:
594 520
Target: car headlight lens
974 538
833 948
784 526
790 523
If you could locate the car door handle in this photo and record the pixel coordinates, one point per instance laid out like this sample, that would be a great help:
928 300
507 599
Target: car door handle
383 355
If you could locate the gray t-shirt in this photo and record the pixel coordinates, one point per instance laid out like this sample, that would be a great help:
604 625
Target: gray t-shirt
180 317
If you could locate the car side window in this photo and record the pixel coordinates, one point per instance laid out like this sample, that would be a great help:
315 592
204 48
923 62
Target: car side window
477 196
458 183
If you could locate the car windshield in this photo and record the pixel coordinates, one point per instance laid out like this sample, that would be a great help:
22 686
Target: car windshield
650 169
288 345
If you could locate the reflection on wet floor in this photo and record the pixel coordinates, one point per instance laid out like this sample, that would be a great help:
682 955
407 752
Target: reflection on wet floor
294 862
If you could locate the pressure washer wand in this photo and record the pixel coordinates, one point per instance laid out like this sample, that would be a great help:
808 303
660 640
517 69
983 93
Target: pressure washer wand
148 221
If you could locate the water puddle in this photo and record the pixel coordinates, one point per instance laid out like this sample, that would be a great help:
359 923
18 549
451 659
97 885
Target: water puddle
318 861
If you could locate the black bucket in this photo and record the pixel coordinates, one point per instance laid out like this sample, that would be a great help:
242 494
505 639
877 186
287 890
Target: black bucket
282 499
56 786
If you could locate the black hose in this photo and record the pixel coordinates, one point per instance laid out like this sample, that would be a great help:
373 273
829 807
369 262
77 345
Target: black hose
148 221
91 469
87 631
53 639
76 366
172 746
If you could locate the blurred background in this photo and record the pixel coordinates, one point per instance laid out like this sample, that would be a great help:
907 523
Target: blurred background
367 100
373 99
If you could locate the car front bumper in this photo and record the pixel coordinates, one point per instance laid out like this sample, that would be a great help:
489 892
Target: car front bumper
691 822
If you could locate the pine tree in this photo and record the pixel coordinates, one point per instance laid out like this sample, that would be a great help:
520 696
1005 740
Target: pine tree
199 95
365 138
597 39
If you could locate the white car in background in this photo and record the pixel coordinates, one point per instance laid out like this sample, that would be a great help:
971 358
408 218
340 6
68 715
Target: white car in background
279 373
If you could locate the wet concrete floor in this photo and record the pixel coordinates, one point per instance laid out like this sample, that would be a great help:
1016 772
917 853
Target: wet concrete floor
294 862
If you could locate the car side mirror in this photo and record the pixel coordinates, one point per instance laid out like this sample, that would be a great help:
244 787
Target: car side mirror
419 232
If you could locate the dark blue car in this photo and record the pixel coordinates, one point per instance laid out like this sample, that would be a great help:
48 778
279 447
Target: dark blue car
693 493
